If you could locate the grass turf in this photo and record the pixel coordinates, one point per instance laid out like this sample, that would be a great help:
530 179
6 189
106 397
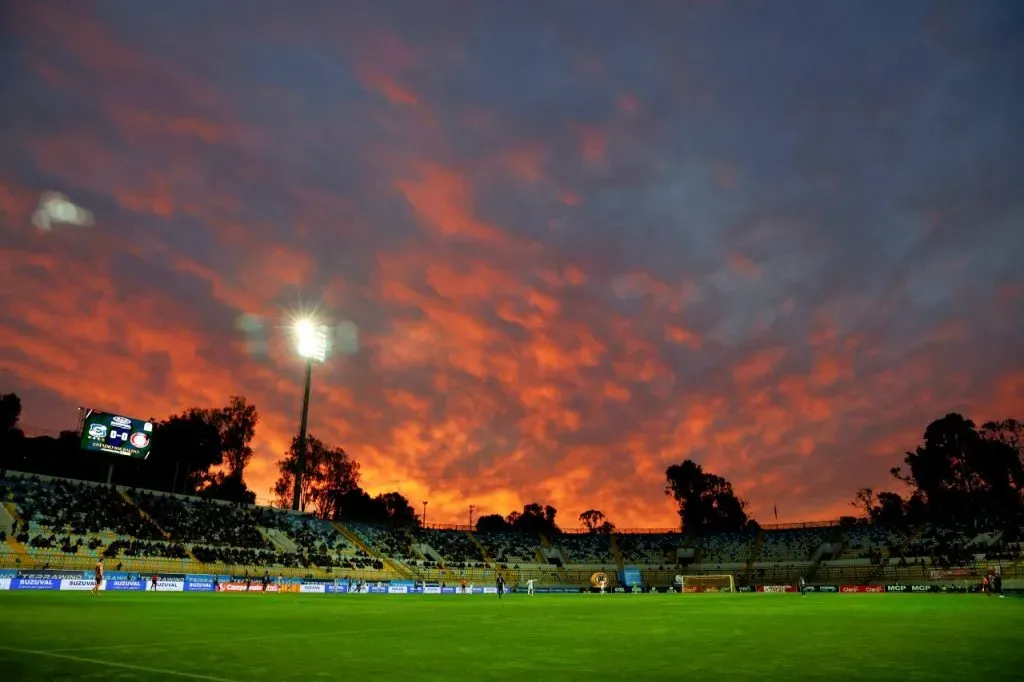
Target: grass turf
280 637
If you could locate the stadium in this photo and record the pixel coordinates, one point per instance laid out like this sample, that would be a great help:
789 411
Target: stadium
284 595
591 341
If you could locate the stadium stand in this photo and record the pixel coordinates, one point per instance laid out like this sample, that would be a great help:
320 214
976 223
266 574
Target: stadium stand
57 523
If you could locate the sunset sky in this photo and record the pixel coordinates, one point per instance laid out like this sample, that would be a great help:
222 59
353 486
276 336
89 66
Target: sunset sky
580 240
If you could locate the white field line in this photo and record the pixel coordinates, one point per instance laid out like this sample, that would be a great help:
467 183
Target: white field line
113 664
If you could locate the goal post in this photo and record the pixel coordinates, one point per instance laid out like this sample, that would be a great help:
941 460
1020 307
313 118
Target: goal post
708 583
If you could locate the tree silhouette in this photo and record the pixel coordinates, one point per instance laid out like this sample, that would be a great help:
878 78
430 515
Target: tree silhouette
534 520
595 522
186 448
493 523
10 412
962 475
236 423
329 475
707 503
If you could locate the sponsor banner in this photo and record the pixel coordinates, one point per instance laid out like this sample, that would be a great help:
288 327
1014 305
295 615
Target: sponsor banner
924 588
336 589
377 589
475 590
897 588
167 586
432 589
236 586
775 589
8 573
5 583
862 589
124 585
448 590
35 584
398 589
297 587
308 588
746 588
490 590
77 584
198 586
826 588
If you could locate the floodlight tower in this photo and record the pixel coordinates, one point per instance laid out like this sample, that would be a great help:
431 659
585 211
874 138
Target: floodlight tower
311 343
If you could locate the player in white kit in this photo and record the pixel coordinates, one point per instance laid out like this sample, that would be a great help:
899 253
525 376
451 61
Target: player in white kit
529 586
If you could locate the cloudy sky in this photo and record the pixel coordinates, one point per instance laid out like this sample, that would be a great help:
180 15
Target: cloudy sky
580 240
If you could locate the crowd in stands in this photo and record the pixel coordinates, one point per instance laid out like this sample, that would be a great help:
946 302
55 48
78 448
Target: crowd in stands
456 548
797 544
74 508
144 548
391 542
203 521
82 520
586 548
510 548
651 548
726 548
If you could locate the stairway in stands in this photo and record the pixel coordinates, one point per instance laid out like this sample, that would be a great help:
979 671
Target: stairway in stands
546 543
396 566
20 551
620 563
755 553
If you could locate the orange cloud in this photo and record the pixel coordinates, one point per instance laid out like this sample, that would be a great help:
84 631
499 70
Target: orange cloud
593 144
443 199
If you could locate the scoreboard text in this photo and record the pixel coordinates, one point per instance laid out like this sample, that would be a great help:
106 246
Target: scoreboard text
116 435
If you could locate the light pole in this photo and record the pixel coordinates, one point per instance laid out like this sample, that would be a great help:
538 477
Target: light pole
471 508
311 343
424 513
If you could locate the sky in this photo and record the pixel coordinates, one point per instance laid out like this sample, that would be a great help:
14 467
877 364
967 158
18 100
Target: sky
579 241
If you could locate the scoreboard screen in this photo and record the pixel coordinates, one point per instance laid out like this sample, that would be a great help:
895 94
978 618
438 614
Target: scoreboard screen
116 435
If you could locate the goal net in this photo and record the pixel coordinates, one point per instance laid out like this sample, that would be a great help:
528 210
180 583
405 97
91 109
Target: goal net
708 583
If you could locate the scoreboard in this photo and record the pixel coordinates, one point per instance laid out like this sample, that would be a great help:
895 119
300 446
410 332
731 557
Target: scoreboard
116 435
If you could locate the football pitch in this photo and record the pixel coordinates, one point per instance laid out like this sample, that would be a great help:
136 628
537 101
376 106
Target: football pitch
282 637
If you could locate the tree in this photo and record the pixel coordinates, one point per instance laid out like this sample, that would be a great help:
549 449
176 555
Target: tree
397 509
534 520
229 486
186 447
593 520
1010 432
963 475
236 423
10 412
884 508
707 503
10 435
329 475
492 523
390 508
865 501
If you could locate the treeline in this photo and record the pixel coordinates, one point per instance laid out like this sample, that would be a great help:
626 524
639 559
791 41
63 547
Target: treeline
202 451
961 474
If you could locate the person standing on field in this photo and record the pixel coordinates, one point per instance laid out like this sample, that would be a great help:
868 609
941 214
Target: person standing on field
99 577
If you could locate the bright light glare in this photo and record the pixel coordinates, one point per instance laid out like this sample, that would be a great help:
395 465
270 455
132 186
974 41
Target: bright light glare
310 340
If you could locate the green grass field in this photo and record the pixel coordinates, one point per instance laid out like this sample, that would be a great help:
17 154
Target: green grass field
271 637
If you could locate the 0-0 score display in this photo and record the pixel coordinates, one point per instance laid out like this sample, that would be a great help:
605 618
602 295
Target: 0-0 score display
116 435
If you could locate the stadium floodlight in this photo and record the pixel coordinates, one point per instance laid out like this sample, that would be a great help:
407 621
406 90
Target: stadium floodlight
311 342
